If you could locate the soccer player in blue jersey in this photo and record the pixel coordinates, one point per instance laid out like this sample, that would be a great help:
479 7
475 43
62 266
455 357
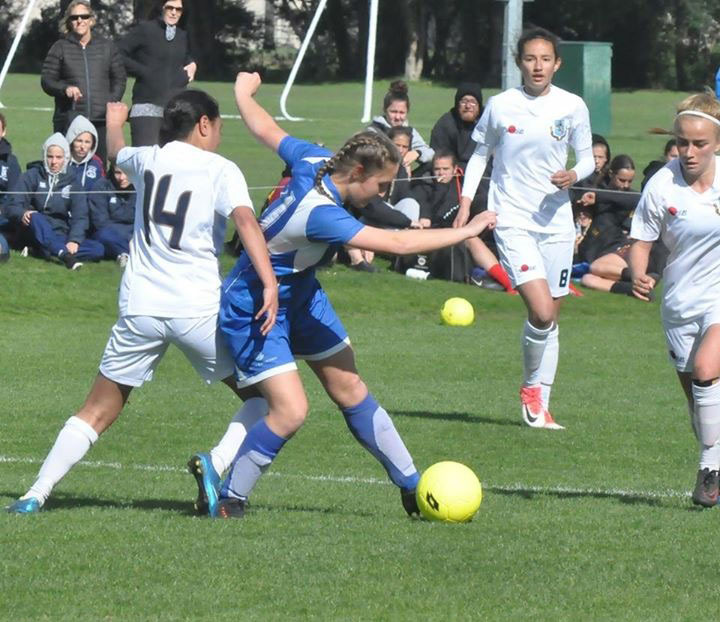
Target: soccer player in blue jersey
303 228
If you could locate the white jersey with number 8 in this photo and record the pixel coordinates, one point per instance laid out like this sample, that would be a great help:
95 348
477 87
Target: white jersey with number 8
184 197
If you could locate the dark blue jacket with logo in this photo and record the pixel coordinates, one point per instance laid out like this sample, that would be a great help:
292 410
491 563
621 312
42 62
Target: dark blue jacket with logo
9 168
113 208
59 197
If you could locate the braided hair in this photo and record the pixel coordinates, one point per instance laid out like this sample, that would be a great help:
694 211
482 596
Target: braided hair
371 150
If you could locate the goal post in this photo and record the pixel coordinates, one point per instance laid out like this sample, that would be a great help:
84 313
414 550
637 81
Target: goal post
15 43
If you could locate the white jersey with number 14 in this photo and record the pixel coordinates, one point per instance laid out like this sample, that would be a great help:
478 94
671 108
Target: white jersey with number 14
184 197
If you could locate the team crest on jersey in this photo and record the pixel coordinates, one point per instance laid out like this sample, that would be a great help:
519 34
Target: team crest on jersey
113 200
42 184
91 173
65 192
559 129
3 173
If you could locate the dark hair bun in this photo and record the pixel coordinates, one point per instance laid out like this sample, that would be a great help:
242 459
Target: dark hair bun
399 87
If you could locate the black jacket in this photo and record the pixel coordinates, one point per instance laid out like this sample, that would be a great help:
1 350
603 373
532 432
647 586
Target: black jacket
156 63
452 134
9 169
97 70
440 202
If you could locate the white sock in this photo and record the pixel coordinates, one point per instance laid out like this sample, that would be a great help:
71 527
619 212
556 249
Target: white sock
707 413
534 341
693 421
225 451
72 443
548 365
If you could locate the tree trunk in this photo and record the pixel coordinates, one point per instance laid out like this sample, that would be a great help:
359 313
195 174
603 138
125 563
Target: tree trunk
416 24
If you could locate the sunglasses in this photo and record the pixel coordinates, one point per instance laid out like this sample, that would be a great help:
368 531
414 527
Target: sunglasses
77 18
177 9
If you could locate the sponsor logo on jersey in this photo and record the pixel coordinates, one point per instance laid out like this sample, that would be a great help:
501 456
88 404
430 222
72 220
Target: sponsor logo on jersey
65 192
525 268
559 129
672 210
514 129
42 184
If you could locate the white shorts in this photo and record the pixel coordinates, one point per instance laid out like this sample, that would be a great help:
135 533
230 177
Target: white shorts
530 255
683 340
138 342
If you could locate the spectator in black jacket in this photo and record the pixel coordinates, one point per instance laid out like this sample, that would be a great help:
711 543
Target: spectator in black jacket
51 211
670 152
452 132
82 72
112 214
157 53
9 175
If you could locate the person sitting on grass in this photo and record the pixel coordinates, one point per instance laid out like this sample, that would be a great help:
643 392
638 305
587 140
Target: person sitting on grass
9 175
83 140
51 212
112 214
439 201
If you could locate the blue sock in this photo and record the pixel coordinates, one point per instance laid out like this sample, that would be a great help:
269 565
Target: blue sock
257 451
374 430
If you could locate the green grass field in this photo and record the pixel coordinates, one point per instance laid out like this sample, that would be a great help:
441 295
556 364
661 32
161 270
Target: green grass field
594 523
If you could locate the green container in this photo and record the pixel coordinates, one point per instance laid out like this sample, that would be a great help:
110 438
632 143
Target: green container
586 71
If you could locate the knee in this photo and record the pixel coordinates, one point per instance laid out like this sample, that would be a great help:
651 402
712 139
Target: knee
288 417
348 391
543 316
705 369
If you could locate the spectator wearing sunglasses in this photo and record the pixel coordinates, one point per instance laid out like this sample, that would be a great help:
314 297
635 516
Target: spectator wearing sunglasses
83 72
157 53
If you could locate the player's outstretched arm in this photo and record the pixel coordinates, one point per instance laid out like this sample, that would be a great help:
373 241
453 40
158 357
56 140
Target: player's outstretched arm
638 261
412 241
115 117
254 243
260 123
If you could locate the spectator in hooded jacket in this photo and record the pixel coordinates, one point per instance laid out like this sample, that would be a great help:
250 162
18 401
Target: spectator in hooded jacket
51 211
452 132
83 72
112 214
157 53
396 107
87 166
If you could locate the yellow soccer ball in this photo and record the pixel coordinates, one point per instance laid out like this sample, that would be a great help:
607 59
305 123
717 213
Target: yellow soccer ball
449 492
457 312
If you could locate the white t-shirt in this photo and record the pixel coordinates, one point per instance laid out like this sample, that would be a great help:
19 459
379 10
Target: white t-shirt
689 225
529 137
184 197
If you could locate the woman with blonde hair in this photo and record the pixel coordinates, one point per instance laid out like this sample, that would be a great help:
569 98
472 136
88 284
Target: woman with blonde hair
681 206
83 72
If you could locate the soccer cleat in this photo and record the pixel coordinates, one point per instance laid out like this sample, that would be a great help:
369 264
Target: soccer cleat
706 488
24 506
230 508
409 501
534 413
208 483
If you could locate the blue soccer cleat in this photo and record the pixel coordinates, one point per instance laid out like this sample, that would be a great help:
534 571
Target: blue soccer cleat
24 506
208 482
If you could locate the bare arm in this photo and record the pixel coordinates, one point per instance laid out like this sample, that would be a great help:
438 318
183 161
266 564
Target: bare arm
638 261
254 243
419 240
115 116
261 125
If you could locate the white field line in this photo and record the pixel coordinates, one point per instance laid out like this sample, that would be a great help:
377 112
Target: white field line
516 487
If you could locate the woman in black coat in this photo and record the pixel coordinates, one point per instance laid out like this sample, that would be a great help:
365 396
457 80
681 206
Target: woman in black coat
83 72
157 53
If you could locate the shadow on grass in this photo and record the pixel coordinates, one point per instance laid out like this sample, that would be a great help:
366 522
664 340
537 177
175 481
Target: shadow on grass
627 498
182 508
455 416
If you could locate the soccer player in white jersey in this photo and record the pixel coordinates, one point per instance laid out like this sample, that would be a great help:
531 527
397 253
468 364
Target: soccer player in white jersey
170 289
304 227
681 206
528 131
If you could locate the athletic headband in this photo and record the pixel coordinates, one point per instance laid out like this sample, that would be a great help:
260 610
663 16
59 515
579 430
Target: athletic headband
699 113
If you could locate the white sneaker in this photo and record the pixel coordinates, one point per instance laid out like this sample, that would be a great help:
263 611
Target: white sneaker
24 252
122 260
